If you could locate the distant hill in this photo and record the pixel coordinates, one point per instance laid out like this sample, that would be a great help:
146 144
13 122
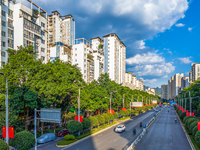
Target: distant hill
158 91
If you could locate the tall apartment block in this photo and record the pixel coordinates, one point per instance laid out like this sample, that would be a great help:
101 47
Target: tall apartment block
98 53
83 58
22 25
164 91
139 85
177 83
130 80
114 58
184 82
195 72
61 36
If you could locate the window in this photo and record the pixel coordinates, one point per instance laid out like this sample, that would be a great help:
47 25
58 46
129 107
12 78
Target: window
85 49
42 41
42 33
75 60
75 49
42 58
3 23
42 49
3 43
3 54
84 71
3 33
84 60
85 54
3 13
10 33
42 24
75 54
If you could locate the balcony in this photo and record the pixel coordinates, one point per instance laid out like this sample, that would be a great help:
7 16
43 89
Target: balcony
10 45
10 26
10 16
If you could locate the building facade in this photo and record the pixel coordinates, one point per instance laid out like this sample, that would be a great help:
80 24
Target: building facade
150 91
164 91
22 26
195 72
130 80
184 82
114 58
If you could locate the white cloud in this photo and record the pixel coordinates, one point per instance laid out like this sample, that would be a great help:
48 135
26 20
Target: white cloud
185 60
190 29
168 50
148 58
149 80
179 25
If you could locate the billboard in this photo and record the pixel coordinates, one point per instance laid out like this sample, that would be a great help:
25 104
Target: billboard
154 102
50 115
136 104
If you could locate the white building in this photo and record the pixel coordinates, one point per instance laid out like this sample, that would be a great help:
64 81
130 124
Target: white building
130 80
195 72
184 82
114 58
177 83
61 36
97 46
22 25
150 91
139 85
83 58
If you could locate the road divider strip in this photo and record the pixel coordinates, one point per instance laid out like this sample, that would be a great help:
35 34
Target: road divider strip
144 131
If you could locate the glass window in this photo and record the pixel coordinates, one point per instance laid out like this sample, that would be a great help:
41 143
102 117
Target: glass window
42 24
3 13
3 54
3 23
3 33
84 49
3 43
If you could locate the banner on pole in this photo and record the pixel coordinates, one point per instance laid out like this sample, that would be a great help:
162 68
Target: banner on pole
10 132
198 125
81 118
136 104
124 109
111 111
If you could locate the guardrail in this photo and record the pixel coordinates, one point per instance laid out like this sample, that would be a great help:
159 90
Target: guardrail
144 130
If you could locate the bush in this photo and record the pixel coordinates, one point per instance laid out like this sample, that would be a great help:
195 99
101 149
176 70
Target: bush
3 145
194 130
69 137
100 119
183 115
192 125
74 126
93 121
111 117
197 137
70 115
23 140
122 113
106 117
189 121
86 123
115 115
184 120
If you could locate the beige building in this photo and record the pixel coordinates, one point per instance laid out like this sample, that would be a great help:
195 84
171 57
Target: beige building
150 91
139 85
164 91
130 80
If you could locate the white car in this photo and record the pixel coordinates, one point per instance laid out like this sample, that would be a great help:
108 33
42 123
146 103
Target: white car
120 128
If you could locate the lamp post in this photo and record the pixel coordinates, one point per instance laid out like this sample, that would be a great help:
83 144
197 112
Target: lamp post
79 103
6 102
110 98
123 98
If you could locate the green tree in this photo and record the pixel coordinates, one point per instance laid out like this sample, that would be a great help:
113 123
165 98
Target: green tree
101 119
3 145
94 122
86 124
74 126
197 137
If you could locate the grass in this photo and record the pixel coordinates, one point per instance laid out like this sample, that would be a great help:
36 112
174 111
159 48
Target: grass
86 133
124 118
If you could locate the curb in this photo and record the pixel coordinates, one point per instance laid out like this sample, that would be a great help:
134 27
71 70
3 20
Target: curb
97 132
186 134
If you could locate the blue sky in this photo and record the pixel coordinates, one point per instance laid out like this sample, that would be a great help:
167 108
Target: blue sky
161 35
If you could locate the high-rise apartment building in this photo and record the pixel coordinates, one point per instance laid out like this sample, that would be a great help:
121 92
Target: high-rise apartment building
184 82
61 36
114 58
177 83
195 72
98 53
22 25
169 89
164 91
83 58
139 85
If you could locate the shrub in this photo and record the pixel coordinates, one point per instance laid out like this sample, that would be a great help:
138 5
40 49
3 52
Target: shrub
183 115
115 115
190 121
3 145
23 140
122 113
197 137
74 126
69 137
194 130
111 117
100 119
70 115
184 120
192 125
93 121
86 123
106 117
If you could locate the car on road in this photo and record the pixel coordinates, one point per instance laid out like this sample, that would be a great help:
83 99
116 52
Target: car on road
120 128
63 132
46 138
156 110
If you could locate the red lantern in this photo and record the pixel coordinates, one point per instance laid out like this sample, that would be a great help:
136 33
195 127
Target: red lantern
10 132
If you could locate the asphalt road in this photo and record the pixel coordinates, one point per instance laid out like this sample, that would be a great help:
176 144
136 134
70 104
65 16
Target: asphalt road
108 139
164 134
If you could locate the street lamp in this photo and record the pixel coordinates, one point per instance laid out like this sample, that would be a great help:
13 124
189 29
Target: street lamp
79 103
6 102
110 98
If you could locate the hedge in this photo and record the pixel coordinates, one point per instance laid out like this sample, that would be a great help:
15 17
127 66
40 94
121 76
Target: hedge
93 121
197 137
86 123
183 115
100 118
111 117
106 117
194 130
23 140
3 145
192 125
74 126
115 115
184 120
69 137
189 121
